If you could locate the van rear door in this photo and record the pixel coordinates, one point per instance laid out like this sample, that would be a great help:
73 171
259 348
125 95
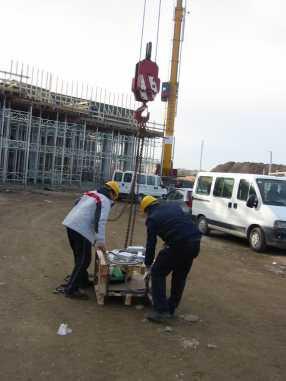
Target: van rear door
126 183
118 176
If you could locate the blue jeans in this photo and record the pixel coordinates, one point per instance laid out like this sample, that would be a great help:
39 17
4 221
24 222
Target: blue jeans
177 260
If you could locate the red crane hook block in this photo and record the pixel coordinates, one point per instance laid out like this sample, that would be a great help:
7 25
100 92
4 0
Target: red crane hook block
146 83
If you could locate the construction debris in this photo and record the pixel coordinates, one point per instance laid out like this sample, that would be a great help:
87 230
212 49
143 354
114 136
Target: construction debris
190 318
212 346
64 329
276 268
190 344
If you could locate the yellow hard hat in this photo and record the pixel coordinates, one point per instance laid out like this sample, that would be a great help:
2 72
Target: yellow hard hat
147 201
114 186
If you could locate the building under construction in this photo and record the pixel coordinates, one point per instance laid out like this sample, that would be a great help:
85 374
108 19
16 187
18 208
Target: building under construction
57 133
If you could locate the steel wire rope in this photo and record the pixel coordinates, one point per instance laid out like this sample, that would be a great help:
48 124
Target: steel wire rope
158 28
132 192
142 30
130 198
120 214
139 169
140 146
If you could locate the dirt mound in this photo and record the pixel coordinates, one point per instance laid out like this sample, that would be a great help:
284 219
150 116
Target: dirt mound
248 167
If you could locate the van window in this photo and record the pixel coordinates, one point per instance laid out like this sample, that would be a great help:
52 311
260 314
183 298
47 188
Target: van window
252 191
150 180
141 179
204 185
175 195
180 183
223 187
127 177
118 176
273 192
243 189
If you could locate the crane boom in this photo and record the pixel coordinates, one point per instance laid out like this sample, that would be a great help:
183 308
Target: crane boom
173 94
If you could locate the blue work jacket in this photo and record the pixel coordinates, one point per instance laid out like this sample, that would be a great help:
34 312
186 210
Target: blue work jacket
172 225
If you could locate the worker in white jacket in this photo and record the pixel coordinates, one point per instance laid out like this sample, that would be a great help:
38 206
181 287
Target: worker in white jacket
85 225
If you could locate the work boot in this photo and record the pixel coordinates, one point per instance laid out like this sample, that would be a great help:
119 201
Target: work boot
77 295
159 317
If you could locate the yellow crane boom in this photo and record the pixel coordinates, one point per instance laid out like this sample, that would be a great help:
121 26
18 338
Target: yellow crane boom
173 91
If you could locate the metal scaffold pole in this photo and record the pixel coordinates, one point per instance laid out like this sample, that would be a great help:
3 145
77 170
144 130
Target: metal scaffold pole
2 132
38 145
55 133
5 144
82 151
29 124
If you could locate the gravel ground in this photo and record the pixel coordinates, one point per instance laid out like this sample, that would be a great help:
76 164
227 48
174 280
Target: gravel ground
238 296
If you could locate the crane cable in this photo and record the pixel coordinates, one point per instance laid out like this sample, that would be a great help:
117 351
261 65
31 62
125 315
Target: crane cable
143 27
120 214
132 196
158 28
139 149
142 30
139 169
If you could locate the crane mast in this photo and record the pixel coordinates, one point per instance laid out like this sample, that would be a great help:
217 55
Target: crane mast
173 91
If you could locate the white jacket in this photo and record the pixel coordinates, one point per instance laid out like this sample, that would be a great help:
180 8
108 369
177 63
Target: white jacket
89 216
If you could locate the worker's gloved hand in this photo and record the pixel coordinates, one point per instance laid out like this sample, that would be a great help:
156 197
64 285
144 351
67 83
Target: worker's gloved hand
100 246
147 273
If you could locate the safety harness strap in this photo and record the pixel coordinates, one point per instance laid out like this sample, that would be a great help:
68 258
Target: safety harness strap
98 209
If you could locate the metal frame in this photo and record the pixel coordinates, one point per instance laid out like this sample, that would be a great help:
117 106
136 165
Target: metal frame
50 134
35 150
42 87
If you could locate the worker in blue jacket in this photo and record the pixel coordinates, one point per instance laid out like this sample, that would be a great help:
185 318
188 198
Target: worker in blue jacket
182 245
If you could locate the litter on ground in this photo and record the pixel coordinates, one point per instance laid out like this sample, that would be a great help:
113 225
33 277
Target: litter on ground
64 329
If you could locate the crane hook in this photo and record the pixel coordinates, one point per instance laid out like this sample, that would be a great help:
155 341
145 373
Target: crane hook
138 114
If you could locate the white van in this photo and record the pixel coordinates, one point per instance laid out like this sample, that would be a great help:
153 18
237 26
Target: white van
244 205
146 184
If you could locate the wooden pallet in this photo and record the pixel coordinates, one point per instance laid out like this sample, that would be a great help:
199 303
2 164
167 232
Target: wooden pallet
135 287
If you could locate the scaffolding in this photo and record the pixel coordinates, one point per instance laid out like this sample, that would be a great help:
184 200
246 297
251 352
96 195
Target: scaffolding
47 137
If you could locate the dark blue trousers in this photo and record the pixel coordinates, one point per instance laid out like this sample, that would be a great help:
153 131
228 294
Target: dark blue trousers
82 257
177 260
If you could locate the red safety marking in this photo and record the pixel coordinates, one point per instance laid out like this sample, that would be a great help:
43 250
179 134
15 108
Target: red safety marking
93 195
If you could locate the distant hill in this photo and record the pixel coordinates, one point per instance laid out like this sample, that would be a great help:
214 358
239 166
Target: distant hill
247 167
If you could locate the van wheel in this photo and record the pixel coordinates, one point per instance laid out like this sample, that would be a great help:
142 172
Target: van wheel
203 225
257 240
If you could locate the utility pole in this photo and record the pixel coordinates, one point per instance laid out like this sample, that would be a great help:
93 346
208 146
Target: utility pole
201 156
270 162
173 95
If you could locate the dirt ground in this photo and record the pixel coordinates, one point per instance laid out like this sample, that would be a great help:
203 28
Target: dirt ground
238 295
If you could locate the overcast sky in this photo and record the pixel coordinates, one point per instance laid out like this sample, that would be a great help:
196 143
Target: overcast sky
232 89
